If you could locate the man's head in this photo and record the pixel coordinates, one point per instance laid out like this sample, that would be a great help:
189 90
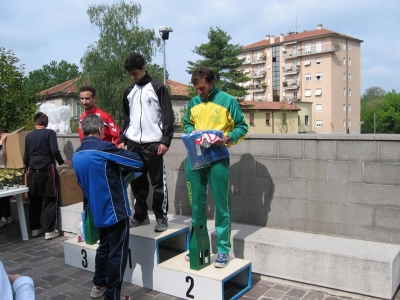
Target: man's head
41 119
93 125
203 80
88 96
135 66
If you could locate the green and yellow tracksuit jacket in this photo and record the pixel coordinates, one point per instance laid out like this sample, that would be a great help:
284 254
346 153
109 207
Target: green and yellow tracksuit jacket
219 111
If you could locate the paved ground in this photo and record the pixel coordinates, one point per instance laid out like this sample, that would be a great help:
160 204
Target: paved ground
44 262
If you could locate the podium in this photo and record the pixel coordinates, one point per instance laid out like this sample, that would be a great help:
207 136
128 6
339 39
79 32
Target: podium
156 260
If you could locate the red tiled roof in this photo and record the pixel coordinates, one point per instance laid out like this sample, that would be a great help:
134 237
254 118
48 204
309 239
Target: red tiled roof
263 105
297 36
177 88
65 87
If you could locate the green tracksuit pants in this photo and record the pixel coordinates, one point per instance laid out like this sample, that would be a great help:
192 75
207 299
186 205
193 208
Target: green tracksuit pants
217 177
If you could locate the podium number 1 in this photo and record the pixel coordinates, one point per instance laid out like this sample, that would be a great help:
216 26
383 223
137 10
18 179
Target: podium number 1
190 279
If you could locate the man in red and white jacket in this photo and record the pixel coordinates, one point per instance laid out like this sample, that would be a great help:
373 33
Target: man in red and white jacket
88 99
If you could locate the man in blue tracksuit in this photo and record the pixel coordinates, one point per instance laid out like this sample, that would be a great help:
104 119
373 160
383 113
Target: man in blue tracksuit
97 165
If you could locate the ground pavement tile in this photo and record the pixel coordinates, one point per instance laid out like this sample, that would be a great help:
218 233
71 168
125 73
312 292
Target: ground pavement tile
313 295
281 287
286 297
296 293
275 294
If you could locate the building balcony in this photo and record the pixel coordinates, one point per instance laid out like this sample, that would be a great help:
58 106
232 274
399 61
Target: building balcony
290 99
246 62
310 51
291 70
258 74
290 85
259 88
260 60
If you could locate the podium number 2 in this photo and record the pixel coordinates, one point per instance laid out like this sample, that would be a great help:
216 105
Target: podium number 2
190 279
84 260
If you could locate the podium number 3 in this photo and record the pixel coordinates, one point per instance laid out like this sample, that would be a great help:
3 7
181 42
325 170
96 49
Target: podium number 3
190 279
84 260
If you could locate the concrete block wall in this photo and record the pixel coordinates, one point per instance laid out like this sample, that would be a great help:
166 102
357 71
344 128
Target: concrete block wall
344 185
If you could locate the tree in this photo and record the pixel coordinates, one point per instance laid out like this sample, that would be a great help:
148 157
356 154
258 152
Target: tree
16 98
373 92
52 74
103 61
222 58
388 114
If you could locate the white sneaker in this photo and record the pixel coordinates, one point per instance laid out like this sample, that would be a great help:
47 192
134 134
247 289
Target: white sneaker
51 235
37 232
97 291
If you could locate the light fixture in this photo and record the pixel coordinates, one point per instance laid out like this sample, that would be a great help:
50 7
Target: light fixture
164 31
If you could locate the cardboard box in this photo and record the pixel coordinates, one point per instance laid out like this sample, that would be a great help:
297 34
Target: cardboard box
70 191
14 148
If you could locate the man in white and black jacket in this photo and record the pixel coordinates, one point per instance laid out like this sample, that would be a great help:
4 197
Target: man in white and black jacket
147 130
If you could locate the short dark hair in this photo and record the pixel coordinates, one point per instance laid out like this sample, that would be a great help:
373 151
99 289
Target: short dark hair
134 61
88 88
203 73
41 119
91 124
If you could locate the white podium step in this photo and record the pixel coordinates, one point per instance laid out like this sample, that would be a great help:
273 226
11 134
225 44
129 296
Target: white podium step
157 261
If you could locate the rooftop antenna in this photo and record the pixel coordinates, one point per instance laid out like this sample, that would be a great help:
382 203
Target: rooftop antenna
297 17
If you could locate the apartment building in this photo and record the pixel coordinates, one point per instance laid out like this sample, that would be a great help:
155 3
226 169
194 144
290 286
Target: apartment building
318 71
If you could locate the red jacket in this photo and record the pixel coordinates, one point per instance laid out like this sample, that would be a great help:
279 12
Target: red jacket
111 129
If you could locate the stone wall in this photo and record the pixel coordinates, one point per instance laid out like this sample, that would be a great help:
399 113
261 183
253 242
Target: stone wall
344 185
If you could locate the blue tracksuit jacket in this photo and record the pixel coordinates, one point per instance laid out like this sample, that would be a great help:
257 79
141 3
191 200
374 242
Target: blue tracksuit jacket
97 165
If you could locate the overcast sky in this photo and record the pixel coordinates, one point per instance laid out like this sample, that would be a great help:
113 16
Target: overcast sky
44 30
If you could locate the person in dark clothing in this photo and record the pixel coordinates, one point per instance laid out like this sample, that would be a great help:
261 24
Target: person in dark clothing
98 166
148 129
41 152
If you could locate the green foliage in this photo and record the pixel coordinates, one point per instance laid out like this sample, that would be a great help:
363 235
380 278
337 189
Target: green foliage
52 74
368 108
16 97
388 115
103 62
157 72
373 93
222 58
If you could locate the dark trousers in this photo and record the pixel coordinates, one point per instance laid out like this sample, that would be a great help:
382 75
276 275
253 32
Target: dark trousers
111 258
5 207
153 166
43 213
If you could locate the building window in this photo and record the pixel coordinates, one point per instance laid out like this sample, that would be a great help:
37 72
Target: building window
344 92
251 117
318 92
349 61
268 52
318 123
318 46
248 57
307 62
247 97
344 122
306 120
318 76
308 77
318 60
349 77
268 81
349 46
267 118
344 45
344 76
269 96
258 55
308 48
349 122
269 67
318 107
349 107
344 61
308 93
349 92
283 118
258 96
344 107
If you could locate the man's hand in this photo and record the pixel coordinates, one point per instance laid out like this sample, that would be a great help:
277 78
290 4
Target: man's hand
222 141
121 146
12 278
162 149
67 162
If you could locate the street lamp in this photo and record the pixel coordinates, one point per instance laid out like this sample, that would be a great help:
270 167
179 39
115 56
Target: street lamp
164 31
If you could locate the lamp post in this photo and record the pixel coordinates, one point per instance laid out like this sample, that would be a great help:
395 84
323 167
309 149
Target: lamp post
164 31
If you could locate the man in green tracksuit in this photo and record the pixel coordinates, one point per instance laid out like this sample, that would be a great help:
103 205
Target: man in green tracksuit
213 109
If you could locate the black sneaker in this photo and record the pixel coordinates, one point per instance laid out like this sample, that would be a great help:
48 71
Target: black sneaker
135 223
162 225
